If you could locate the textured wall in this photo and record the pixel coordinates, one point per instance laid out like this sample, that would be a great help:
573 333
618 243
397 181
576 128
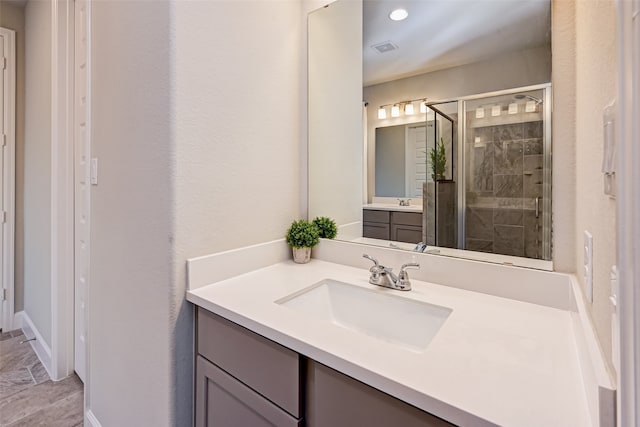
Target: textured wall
12 17
130 376
237 112
596 87
37 167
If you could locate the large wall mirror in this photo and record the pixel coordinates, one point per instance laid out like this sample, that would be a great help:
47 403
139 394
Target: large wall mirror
432 133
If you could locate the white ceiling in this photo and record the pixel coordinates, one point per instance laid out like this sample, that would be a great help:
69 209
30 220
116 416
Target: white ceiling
440 34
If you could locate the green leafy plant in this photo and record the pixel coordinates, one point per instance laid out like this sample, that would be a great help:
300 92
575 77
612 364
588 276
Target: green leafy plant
303 234
438 158
326 226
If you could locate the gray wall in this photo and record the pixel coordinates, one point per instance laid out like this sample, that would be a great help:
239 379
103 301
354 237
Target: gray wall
37 167
12 17
390 161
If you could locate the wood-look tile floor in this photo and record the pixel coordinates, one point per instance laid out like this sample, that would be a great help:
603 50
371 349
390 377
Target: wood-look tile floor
27 396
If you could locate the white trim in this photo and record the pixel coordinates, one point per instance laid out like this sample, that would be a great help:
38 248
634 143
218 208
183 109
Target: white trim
17 320
62 255
628 212
90 419
598 385
39 345
8 192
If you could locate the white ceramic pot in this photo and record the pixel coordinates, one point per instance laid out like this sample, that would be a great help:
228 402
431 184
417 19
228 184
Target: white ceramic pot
301 255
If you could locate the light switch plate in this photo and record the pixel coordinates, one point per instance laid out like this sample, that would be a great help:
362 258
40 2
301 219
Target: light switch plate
588 265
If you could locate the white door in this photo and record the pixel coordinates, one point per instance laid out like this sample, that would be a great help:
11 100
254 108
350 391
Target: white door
82 186
416 160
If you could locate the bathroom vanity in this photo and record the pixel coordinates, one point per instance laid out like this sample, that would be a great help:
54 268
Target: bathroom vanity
276 344
396 225
253 381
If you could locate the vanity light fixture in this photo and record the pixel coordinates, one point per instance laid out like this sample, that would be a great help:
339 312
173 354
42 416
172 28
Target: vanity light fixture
382 113
398 15
395 111
480 113
495 111
530 107
408 109
423 106
513 108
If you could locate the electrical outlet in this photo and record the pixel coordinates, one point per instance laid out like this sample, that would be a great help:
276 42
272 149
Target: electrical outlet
588 265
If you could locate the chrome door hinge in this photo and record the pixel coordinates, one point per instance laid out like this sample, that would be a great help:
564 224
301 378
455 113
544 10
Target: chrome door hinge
4 217
4 294
4 140
4 63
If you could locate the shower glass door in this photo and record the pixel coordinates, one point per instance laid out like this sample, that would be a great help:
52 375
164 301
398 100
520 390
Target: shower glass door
507 174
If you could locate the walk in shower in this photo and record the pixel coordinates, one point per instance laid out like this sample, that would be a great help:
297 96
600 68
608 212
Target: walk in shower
506 154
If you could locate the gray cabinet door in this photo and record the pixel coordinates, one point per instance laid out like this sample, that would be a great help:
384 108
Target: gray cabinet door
406 233
336 400
223 401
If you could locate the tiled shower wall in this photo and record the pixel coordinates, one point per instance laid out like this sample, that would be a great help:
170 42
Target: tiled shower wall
505 164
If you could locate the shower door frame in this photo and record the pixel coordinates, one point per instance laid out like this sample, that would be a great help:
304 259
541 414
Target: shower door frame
547 163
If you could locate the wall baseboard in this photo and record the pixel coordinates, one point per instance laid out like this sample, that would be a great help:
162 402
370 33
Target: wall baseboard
17 321
90 419
40 346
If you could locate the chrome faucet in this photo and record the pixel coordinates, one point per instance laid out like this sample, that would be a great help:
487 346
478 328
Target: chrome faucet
404 202
384 276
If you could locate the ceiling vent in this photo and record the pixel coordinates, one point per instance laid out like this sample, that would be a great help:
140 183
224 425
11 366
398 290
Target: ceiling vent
384 47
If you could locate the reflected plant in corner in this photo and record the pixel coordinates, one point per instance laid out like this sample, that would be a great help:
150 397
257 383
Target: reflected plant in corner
326 227
438 158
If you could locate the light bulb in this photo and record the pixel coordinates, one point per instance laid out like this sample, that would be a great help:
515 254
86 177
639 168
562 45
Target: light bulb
395 111
408 108
398 15
382 113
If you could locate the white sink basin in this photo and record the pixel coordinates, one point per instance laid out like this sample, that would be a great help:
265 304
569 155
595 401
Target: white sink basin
380 313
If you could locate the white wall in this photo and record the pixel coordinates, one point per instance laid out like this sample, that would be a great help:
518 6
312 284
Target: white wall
12 17
596 86
335 104
197 133
37 167
237 110
131 377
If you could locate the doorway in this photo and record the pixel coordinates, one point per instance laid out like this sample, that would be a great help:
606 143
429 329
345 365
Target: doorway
7 174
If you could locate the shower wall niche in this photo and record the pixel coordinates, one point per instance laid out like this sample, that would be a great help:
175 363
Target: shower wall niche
505 170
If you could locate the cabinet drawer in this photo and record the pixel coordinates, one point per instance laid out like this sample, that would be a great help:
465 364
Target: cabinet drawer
268 368
375 216
223 401
375 230
406 218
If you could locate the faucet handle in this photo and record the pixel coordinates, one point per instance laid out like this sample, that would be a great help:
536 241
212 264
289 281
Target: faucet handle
409 265
376 264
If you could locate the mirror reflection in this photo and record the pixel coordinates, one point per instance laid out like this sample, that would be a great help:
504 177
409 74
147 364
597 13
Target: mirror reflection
457 153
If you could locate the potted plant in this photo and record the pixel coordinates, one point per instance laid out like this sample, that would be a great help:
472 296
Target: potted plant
326 227
438 159
302 236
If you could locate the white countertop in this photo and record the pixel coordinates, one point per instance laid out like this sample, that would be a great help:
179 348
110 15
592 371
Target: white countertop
494 361
392 207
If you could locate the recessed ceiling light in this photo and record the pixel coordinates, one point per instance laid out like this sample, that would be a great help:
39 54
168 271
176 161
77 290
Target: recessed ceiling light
398 15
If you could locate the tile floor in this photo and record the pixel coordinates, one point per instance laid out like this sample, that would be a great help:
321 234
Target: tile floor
27 396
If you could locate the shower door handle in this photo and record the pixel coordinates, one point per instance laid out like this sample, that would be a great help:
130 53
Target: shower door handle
537 207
